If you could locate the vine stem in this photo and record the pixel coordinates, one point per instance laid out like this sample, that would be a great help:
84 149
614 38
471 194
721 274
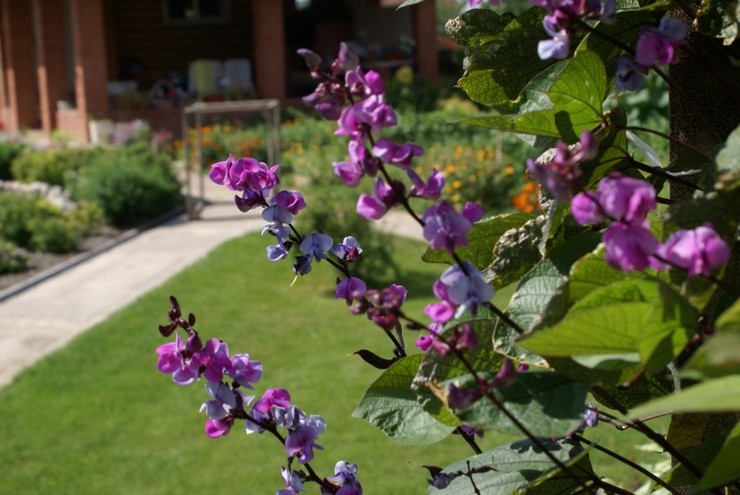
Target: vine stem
661 173
626 461
647 431
666 137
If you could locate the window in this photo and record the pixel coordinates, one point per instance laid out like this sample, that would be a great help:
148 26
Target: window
195 11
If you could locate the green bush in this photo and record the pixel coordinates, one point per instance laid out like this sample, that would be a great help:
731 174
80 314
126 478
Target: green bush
11 260
53 235
19 214
131 186
8 152
87 219
52 166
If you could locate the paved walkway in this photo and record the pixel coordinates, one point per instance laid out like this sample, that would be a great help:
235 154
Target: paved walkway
48 315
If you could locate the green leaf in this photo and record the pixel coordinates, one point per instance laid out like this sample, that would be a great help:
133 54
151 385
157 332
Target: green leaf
409 3
483 236
546 403
716 395
592 272
519 467
644 317
501 59
728 162
434 370
719 18
391 405
516 252
718 356
562 102
725 468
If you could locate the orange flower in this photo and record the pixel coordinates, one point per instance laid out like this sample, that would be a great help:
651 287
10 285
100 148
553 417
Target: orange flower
526 201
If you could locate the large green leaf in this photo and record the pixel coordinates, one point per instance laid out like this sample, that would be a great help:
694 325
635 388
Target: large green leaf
725 467
516 252
592 272
519 467
716 395
483 236
391 405
501 58
728 162
546 403
563 101
616 324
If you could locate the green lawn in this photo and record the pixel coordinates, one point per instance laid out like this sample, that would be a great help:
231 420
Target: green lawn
97 417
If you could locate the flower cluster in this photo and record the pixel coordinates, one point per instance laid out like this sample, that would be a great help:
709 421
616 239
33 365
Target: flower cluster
191 360
562 18
460 397
655 46
630 245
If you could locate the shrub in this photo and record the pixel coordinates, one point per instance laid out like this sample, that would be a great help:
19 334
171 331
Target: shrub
11 260
19 214
130 187
54 166
53 235
87 219
8 152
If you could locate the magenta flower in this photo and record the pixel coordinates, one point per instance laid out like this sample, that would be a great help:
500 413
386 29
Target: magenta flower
697 251
384 197
629 246
445 228
625 198
216 428
215 356
585 208
396 154
659 46
385 306
560 175
181 359
364 84
291 201
431 189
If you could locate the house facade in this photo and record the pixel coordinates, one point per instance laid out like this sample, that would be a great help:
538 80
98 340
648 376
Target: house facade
66 62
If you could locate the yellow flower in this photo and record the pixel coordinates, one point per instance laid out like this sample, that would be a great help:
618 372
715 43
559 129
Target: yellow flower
508 170
405 75
456 198
456 184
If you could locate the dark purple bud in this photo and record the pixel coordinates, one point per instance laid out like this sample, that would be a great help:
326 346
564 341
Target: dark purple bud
191 319
302 265
505 376
166 330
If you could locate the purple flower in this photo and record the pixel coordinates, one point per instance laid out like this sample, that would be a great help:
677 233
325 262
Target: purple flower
625 198
561 174
215 356
385 308
658 46
316 246
215 428
697 251
348 251
345 476
244 371
264 409
396 154
590 417
431 189
224 400
301 441
362 84
465 288
291 201
629 246
505 376
555 47
445 228
585 208
630 76
350 288
462 398
181 359
383 198
293 483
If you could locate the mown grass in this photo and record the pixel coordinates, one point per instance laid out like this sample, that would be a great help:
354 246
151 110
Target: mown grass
97 417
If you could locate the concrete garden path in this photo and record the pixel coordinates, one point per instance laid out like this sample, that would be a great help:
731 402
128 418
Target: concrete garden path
46 316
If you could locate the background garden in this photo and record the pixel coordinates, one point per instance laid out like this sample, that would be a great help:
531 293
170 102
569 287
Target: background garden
96 417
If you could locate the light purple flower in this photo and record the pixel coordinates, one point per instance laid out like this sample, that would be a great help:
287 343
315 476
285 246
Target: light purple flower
223 401
291 201
464 287
293 483
445 228
697 251
215 357
629 246
560 175
345 476
301 442
557 46
316 246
